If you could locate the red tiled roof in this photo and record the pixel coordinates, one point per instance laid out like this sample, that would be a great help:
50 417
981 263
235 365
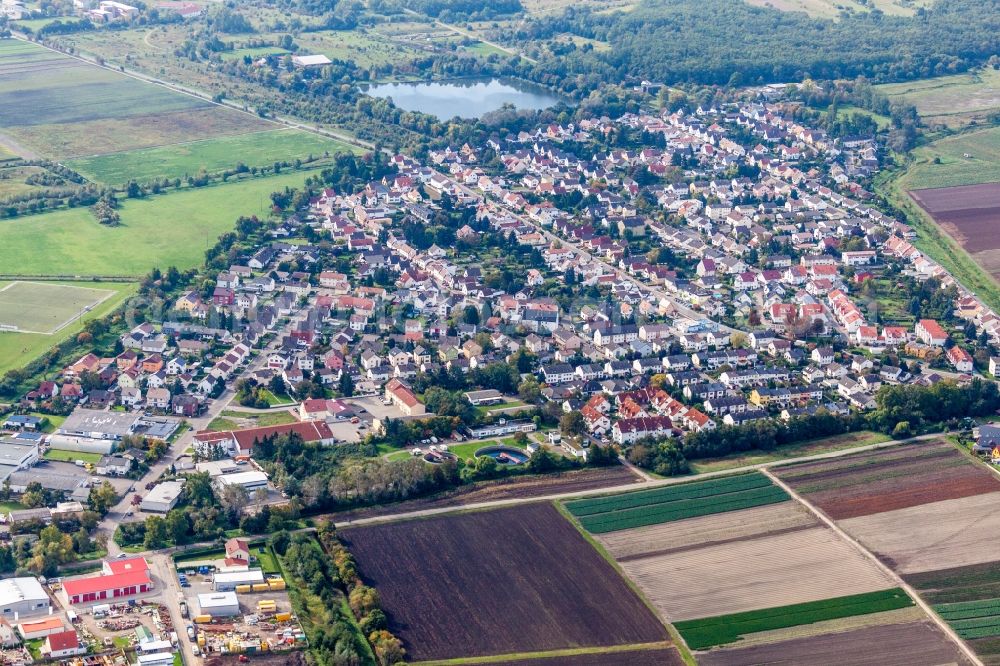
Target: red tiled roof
64 640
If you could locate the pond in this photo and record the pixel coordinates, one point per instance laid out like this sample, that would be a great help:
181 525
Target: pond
469 98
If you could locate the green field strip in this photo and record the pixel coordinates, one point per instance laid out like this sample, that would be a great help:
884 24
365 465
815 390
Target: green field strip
968 609
724 629
681 509
588 507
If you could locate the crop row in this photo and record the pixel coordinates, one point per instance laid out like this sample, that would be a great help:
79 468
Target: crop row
968 609
723 629
681 509
684 491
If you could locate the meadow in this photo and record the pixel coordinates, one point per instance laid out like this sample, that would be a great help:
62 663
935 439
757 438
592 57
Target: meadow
209 155
19 349
831 9
950 100
172 229
963 159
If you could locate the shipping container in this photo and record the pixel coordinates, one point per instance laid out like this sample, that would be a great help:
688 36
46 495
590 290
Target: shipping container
201 619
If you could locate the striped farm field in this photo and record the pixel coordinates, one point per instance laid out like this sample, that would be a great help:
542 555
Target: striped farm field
712 631
972 619
889 479
689 500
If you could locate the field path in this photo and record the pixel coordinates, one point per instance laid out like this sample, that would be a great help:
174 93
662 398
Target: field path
948 631
16 148
472 35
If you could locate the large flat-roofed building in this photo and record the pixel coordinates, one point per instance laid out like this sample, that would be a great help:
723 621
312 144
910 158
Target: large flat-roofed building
219 604
119 579
99 424
18 453
226 581
163 497
249 481
23 597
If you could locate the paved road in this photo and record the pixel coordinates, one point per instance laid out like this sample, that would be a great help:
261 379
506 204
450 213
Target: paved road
170 591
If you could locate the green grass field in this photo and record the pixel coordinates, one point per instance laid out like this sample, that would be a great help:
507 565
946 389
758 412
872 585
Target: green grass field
211 155
675 502
43 307
808 448
952 100
712 631
226 420
963 159
72 456
172 229
19 349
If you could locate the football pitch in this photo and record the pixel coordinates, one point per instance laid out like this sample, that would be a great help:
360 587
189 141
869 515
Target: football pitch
39 307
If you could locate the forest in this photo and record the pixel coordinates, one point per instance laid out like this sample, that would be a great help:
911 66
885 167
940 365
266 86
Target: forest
725 42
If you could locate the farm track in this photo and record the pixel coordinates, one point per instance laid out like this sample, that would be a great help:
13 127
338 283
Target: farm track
208 98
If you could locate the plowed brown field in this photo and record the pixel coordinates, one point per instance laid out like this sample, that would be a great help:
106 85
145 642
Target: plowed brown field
969 214
497 582
888 480
892 645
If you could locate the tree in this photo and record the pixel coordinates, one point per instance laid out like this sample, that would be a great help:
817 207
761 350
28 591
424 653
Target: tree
529 390
572 424
156 533
102 498
470 315
233 500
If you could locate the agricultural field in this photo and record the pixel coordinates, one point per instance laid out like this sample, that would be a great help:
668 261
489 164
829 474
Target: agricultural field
42 307
19 349
167 230
57 107
960 594
932 536
968 214
209 155
665 656
519 580
919 642
712 631
950 100
889 479
688 500
784 559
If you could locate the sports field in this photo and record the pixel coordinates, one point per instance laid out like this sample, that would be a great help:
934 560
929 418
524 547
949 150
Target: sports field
58 106
211 155
41 307
172 229
19 349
